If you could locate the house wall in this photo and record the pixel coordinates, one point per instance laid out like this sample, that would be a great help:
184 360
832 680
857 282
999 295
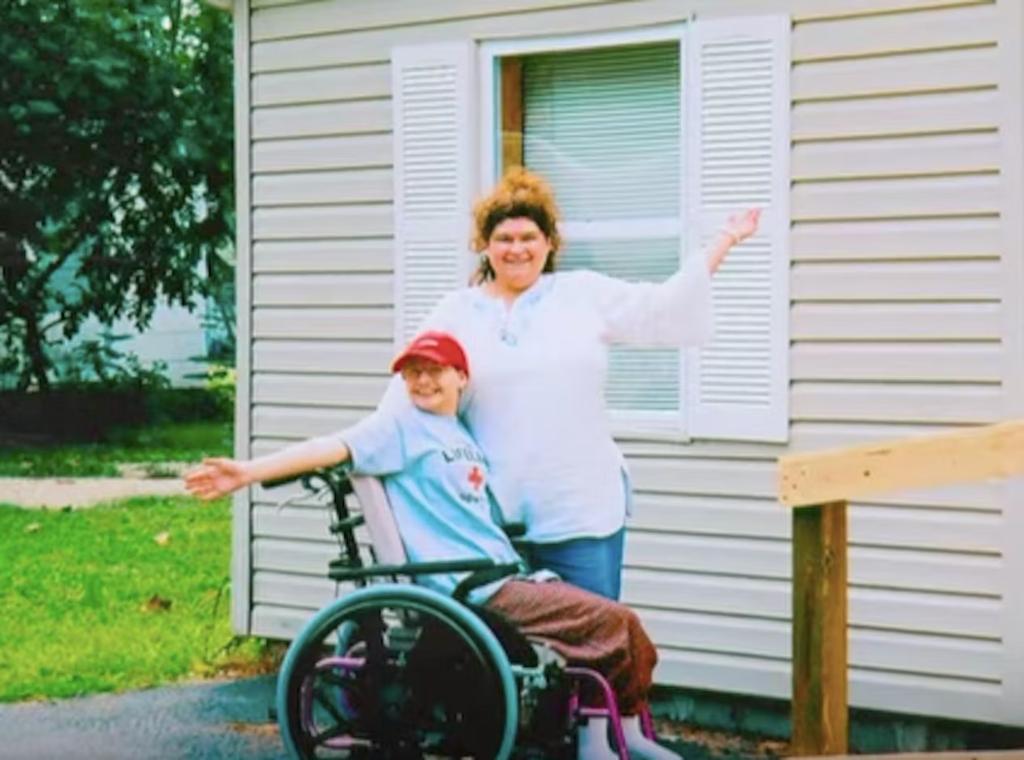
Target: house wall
906 259
175 337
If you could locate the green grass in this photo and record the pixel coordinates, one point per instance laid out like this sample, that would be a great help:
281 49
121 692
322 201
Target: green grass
82 597
181 442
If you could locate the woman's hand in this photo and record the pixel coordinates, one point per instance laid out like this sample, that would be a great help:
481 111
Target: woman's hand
737 228
216 477
742 225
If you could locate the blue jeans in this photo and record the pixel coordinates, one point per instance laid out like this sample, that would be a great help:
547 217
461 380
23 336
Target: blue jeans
594 564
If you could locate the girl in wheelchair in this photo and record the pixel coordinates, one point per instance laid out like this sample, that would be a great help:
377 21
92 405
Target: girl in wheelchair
435 477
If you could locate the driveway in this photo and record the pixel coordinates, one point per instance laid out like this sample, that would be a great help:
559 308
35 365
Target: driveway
225 719
199 721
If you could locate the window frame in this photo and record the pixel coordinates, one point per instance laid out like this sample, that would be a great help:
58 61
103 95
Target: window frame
667 426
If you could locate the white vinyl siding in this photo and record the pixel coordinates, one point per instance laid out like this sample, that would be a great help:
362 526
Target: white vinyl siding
603 126
898 324
895 250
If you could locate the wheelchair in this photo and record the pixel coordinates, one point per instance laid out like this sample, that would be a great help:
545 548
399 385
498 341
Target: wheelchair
393 670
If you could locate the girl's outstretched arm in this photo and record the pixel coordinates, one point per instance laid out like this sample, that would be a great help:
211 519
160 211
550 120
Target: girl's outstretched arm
219 476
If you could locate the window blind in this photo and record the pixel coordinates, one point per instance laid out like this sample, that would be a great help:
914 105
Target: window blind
603 126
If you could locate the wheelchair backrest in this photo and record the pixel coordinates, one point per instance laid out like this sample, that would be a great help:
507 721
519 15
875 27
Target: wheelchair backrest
380 521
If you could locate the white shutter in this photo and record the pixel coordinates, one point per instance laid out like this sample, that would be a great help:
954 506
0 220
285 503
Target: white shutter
738 157
433 153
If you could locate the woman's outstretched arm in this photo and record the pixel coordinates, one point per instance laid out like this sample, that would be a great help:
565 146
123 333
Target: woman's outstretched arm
673 313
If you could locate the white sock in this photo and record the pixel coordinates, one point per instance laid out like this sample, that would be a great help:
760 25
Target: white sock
639 746
593 741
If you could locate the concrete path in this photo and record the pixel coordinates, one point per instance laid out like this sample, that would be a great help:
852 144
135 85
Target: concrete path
226 719
82 492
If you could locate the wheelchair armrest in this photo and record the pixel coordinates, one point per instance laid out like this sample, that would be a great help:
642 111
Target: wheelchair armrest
340 571
278 482
482 577
331 476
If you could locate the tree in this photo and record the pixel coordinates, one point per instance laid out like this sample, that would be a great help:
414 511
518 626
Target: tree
116 150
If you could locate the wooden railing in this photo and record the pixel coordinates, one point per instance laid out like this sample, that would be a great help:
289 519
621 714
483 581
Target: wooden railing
819 486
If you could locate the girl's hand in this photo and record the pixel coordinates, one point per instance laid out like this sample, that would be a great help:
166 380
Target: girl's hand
216 477
741 225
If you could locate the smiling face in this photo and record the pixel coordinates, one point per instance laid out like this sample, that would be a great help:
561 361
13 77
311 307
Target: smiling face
433 387
517 250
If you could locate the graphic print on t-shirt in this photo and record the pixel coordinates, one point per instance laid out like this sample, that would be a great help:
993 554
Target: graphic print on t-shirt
466 471
475 478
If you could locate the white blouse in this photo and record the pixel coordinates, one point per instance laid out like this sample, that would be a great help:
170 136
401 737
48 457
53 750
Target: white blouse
535 401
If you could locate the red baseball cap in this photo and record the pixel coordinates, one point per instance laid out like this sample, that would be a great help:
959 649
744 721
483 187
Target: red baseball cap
436 346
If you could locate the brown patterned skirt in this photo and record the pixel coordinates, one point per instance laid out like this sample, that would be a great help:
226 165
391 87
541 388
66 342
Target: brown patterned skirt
588 630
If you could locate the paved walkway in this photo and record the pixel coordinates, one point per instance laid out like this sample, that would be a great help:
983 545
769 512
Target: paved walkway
82 492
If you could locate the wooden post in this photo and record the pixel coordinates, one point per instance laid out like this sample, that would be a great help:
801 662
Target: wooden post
819 630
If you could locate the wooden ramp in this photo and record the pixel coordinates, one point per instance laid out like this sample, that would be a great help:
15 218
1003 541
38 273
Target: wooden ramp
818 486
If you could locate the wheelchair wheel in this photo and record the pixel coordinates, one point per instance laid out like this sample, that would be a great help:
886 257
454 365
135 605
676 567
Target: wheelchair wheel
396 671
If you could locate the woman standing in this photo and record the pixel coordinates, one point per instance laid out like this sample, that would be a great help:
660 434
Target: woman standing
538 341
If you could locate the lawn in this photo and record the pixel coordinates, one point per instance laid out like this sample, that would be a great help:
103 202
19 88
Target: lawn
179 442
116 597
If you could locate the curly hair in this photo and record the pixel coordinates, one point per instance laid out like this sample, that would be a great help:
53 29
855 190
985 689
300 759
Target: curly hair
520 193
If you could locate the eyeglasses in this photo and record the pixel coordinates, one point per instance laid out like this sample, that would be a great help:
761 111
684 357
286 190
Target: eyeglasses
503 240
413 371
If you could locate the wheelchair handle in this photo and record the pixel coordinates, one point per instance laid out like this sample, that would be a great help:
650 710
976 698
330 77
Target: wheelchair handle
514 530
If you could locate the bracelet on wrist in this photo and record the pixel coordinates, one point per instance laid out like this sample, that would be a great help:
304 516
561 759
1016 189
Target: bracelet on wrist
734 239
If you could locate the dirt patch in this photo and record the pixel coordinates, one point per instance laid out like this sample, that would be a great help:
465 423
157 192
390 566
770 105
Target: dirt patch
244 667
720 743
254 729
144 470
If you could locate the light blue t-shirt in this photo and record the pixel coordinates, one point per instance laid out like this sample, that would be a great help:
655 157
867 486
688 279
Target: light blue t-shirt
436 480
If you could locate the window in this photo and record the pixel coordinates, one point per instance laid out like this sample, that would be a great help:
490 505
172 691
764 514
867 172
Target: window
650 137
603 126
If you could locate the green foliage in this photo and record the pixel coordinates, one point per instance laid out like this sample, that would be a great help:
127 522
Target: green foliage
98 362
214 402
220 318
116 186
132 398
125 596
187 404
221 382
156 444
